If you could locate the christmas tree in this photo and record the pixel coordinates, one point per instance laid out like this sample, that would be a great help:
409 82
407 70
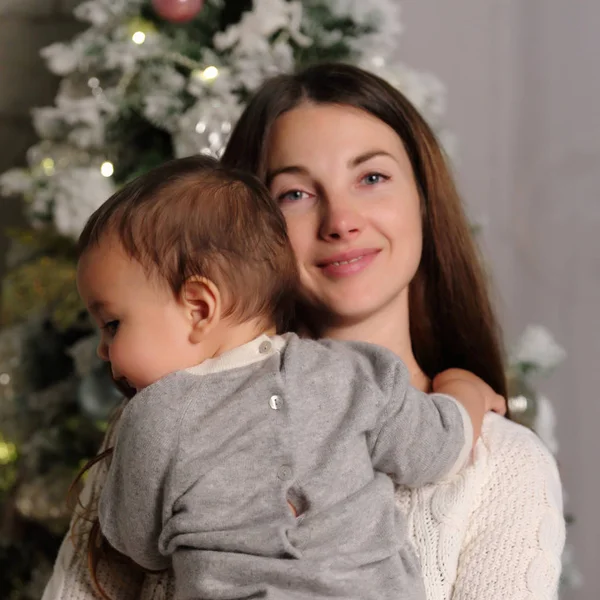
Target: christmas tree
143 83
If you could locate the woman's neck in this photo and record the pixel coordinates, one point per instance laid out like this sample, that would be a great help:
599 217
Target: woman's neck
390 330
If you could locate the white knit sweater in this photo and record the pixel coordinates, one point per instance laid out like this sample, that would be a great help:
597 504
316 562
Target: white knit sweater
492 532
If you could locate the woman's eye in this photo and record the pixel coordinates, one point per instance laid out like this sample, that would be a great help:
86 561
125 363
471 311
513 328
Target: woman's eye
373 178
111 327
292 196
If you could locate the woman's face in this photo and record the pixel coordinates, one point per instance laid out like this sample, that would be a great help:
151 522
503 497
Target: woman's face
346 187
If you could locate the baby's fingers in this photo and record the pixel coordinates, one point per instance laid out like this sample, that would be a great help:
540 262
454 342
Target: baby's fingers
498 404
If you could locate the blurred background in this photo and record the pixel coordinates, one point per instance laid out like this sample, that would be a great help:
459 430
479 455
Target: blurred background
510 87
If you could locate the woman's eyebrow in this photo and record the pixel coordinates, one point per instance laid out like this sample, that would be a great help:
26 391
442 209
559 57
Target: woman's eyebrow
365 156
294 169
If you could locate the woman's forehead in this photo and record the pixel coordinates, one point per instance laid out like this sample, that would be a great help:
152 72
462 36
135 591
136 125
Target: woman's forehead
311 131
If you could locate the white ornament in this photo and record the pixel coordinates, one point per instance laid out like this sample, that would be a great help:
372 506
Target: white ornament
15 181
78 193
538 348
60 58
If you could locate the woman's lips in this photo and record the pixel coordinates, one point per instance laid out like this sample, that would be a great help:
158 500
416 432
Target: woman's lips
348 263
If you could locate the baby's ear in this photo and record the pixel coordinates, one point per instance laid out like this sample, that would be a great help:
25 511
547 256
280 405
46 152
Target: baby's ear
202 302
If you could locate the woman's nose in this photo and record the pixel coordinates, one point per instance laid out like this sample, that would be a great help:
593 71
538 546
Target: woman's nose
340 221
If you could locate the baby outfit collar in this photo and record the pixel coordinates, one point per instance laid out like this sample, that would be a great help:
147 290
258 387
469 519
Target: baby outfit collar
257 350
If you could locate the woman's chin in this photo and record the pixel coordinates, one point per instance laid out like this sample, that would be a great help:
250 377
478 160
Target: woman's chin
360 307
349 305
348 311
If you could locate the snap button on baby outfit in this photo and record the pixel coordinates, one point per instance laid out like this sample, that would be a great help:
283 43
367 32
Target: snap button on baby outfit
275 402
284 473
264 347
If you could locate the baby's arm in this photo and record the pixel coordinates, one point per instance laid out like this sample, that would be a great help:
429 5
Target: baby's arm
476 396
418 438
423 438
132 502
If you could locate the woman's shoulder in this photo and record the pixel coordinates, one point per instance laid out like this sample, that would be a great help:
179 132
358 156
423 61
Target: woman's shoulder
517 511
500 436
515 457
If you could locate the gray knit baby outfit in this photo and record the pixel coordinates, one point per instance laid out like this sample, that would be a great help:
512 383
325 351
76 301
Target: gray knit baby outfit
207 459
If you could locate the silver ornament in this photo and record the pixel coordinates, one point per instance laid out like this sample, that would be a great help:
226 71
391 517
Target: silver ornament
522 401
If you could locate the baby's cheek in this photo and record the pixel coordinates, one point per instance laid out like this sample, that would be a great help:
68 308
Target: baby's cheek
127 359
153 361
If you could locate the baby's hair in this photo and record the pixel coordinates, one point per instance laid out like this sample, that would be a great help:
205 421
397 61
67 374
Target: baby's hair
193 217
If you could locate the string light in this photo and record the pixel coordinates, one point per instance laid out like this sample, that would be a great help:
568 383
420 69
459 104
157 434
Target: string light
107 169
48 166
139 37
8 452
209 73
518 403
139 29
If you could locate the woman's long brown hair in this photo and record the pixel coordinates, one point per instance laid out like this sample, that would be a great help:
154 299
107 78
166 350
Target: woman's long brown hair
452 323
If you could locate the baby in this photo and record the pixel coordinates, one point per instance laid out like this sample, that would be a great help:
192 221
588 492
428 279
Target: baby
255 464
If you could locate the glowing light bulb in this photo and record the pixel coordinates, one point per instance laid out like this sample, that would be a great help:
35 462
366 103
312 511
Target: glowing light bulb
210 73
8 452
48 166
139 37
107 169
139 29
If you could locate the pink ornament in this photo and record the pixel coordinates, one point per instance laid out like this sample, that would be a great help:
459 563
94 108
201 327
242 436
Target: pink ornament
177 11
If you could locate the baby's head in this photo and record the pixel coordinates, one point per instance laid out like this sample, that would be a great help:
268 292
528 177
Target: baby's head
181 264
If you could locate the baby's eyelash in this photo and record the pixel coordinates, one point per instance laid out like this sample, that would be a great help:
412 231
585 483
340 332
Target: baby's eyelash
300 195
111 326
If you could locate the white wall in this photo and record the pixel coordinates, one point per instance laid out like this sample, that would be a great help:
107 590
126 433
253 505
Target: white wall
524 101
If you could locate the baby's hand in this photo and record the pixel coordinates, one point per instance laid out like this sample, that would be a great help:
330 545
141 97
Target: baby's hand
492 401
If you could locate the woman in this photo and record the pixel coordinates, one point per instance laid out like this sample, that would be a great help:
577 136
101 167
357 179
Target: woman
386 256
